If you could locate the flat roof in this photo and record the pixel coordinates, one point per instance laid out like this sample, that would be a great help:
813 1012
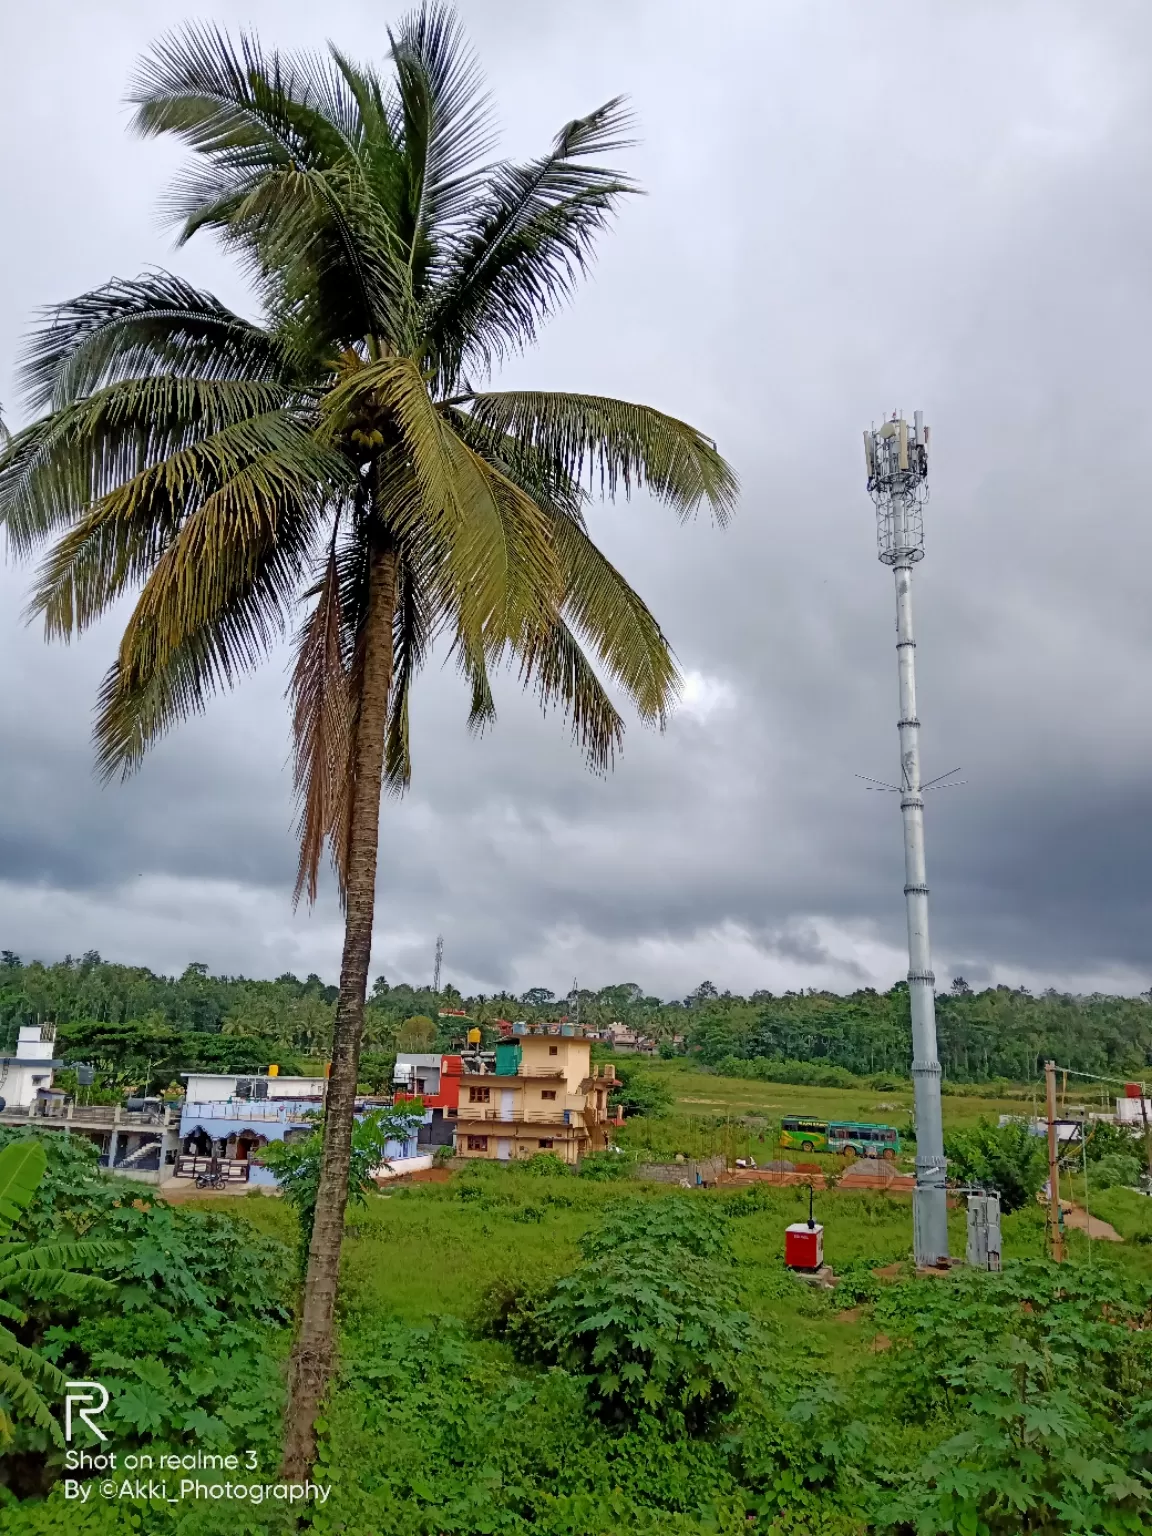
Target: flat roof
252 1077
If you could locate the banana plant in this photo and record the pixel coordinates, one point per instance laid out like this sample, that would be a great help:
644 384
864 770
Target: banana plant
36 1272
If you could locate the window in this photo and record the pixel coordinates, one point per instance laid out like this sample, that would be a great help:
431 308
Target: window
548 1093
477 1143
479 1095
553 1050
545 1141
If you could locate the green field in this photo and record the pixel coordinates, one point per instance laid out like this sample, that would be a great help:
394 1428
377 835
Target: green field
706 1093
740 1117
437 1425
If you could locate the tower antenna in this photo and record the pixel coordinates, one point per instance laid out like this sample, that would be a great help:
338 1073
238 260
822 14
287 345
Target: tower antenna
439 959
896 458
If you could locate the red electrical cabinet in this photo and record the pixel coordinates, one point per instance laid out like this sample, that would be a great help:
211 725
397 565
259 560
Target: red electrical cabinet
804 1245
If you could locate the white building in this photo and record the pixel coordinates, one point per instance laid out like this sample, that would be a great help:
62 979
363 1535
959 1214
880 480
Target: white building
28 1075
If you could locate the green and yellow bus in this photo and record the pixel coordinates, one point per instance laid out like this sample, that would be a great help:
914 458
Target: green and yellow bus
847 1138
801 1133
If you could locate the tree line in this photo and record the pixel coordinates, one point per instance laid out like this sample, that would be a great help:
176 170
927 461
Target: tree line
132 1023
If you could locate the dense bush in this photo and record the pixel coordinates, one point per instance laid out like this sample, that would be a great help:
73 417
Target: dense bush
1006 1158
1040 1381
810 1074
606 1166
1116 1170
188 1343
648 1320
640 1094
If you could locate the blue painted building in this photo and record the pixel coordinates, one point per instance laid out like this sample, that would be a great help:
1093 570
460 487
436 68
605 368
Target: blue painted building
229 1117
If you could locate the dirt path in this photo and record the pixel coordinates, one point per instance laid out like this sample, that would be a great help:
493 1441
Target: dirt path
1092 1225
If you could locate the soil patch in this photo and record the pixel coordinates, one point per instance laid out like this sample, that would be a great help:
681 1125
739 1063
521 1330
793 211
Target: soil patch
1092 1225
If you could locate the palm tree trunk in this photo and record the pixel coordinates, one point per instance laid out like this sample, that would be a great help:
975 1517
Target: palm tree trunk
314 1353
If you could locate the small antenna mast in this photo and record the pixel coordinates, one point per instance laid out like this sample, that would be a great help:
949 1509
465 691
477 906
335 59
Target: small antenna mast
439 960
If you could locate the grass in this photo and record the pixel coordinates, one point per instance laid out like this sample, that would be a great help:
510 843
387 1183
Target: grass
740 1117
434 1249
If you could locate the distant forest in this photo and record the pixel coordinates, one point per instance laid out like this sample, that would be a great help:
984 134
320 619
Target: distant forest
140 1029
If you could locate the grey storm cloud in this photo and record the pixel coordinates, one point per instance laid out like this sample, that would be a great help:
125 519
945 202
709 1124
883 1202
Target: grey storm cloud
852 207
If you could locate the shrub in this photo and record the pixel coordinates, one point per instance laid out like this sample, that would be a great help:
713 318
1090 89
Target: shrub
639 1094
655 1332
1022 1368
1117 1169
771 1069
690 1224
545 1165
1006 1158
606 1166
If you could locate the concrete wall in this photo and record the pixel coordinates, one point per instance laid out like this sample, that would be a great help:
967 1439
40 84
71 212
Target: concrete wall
709 1169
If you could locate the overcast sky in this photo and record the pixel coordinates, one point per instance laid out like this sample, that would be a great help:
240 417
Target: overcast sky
853 206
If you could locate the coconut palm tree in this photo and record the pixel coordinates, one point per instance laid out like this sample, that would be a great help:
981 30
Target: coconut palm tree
340 453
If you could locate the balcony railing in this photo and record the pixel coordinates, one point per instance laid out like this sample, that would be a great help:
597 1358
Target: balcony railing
92 1114
484 1112
521 1072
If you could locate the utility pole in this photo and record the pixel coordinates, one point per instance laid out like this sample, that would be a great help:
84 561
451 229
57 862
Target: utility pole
1147 1128
897 462
1057 1235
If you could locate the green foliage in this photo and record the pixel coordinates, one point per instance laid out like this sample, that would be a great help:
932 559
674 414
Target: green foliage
36 1272
22 1165
639 1094
545 1165
1117 1169
1006 1158
606 1166
296 1164
475 1447
675 1221
767 1069
185 1324
1041 1379
649 1320
125 1018
655 1333
416 1034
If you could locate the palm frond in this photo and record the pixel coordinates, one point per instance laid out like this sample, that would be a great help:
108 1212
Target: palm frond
218 502
153 324
614 620
616 446
282 178
64 1286
413 633
251 109
321 713
64 466
498 565
26 1261
520 254
553 664
217 599
442 120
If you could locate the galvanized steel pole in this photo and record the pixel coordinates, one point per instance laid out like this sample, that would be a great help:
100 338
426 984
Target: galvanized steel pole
897 460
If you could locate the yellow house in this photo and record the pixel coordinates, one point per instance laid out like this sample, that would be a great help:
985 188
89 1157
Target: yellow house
544 1095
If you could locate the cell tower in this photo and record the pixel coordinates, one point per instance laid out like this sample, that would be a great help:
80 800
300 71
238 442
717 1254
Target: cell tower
897 461
439 960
